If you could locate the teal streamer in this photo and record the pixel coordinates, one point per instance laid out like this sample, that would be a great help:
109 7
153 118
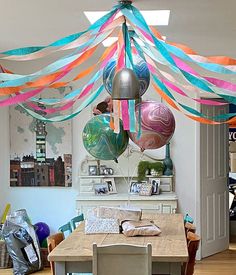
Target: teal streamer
218 118
63 41
78 110
177 51
70 96
128 51
132 118
139 122
158 45
18 80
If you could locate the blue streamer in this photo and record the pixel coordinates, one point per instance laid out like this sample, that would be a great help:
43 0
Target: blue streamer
132 117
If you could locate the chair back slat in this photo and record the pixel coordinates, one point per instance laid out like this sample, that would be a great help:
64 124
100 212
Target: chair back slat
76 220
65 228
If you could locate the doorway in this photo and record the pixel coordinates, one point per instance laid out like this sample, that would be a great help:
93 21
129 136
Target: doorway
214 191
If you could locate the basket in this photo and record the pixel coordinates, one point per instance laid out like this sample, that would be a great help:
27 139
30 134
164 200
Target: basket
44 257
5 259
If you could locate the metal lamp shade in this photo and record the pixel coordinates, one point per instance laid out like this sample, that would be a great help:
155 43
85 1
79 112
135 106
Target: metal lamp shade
125 85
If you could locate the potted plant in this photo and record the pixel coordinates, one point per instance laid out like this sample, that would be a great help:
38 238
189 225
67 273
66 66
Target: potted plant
146 167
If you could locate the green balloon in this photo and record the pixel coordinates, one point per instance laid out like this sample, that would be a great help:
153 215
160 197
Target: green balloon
101 141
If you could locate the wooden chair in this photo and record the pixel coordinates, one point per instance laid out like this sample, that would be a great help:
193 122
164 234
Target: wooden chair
76 220
193 241
122 259
53 241
189 227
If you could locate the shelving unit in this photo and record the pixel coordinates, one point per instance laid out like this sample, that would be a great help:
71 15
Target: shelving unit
166 202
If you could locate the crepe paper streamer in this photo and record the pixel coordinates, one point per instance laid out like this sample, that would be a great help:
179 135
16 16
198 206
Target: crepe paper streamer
139 122
132 117
20 98
201 101
176 51
223 118
5 213
183 75
17 80
45 80
116 104
125 114
221 60
90 99
62 41
53 66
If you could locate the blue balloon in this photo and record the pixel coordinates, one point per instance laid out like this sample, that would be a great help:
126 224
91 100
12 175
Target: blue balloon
140 68
42 231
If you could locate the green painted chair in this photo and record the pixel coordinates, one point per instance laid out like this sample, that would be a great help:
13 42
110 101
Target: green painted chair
66 228
76 220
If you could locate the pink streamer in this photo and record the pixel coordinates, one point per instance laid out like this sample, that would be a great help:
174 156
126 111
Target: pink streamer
125 114
217 82
19 98
222 83
86 90
202 101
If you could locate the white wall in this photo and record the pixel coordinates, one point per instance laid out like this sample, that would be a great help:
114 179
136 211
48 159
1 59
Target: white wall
55 206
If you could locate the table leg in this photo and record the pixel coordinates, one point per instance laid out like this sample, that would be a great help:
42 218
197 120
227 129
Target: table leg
60 268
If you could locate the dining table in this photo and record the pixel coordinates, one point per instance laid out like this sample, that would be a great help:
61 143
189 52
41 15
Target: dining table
169 249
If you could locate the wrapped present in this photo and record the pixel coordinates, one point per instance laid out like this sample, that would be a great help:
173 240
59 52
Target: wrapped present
140 228
119 213
95 225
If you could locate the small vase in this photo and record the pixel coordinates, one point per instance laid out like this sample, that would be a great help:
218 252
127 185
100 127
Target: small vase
168 164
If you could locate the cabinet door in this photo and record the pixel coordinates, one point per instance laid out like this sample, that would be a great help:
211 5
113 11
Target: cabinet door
166 208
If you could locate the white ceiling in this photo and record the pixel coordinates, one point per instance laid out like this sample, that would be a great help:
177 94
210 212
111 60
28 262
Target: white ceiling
208 26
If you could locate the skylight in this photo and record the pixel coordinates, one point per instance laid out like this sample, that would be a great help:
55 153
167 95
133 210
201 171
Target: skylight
152 17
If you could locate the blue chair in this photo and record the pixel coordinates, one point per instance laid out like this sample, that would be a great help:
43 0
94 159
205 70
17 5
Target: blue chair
188 219
65 228
76 220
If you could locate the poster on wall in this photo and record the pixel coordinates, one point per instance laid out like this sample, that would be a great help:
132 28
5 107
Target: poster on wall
40 153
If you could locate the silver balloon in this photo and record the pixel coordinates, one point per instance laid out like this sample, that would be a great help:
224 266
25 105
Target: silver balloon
125 85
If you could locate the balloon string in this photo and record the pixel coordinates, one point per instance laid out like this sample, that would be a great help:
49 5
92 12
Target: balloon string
135 169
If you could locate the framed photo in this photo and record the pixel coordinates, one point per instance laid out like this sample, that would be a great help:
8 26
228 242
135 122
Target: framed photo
155 182
135 187
146 189
102 168
101 189
93 170
111 185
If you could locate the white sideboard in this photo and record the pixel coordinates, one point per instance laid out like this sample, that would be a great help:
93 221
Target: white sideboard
166 202
163 203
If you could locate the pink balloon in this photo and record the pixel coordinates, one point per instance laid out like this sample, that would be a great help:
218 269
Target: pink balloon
158 125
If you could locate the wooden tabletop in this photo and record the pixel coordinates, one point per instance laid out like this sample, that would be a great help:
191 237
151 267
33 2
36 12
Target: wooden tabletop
170 246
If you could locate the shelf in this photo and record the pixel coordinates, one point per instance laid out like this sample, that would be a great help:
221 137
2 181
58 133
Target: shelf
102 176
121 176
126 197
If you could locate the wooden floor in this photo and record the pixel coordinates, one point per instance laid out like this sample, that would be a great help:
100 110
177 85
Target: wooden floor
223 263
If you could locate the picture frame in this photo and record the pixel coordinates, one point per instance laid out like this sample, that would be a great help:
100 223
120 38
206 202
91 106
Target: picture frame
92 170
155 182
102 169
111 185
134 187
146 189
101 189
